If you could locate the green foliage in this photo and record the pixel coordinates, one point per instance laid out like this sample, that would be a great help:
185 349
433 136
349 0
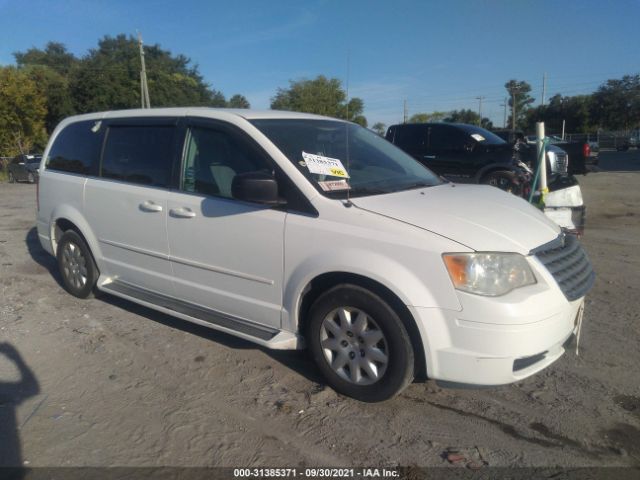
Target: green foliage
380 128
108 78
427 117
575 111
468 116
238 101
54 56
22 113
616 104
519 91
322 96
55 89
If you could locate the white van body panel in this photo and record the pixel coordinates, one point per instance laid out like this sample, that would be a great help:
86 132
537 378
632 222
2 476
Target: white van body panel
485 218
228 256
129 222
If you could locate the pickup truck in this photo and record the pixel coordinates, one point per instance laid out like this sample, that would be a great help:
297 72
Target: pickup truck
580 153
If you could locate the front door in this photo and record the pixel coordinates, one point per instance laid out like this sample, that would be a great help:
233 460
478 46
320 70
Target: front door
227 255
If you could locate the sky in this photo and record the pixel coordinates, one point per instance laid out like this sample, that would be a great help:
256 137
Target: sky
433 55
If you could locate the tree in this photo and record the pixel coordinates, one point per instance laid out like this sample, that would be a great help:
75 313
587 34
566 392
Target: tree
518 95
468 116
238 101
22 113
54 87
54 56
427 117
616 103
575 111
380 128
108 78
323 96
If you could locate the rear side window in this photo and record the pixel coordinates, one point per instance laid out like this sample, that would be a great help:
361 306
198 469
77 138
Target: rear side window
76 149
139 154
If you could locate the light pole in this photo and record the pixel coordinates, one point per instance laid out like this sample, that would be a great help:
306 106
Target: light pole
480 110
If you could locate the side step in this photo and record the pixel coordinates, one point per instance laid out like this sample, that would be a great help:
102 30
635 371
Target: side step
263 335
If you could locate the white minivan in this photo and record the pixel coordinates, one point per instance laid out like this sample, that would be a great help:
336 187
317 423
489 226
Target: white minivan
294 230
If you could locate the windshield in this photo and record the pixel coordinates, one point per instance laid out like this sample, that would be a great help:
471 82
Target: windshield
485 137
342 159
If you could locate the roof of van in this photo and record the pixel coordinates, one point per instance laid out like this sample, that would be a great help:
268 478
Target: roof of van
247 114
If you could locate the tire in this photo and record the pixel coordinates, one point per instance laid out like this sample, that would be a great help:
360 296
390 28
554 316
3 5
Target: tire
360 344
12 179
76 264
504 180
31 177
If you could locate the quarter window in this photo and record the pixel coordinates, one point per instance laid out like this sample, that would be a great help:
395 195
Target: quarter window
76 148
214 157
139 154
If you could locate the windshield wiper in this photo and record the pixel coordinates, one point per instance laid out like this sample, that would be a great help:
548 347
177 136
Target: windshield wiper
413 186
357 191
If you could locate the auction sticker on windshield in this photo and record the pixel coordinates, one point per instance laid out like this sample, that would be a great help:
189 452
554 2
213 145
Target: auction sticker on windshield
322 165
333 185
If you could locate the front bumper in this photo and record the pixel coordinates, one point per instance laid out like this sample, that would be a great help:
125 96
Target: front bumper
496 345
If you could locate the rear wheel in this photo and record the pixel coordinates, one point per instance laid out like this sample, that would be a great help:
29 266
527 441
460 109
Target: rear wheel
12 179
504 180
360 344
31 177
76 264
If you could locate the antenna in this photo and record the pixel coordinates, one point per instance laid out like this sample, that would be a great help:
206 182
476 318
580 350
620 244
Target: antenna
144 87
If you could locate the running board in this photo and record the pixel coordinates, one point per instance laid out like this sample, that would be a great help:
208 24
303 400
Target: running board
216 319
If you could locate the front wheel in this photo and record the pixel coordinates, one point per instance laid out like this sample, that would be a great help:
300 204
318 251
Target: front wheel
31 178
76 264
12 178
504 180
360 344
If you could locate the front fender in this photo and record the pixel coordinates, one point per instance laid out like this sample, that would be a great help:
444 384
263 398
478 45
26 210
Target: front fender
398 278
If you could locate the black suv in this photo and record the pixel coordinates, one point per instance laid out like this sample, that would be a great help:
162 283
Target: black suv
24 168
462 153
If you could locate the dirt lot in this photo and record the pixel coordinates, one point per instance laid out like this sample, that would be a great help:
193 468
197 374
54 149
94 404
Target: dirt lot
116 384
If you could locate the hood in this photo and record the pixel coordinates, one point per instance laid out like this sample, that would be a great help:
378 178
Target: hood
480 217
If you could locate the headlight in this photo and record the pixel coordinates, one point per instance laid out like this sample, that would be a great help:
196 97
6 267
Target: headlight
490 274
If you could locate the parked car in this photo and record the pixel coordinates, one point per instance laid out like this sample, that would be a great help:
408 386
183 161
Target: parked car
24 168
292 230
461 153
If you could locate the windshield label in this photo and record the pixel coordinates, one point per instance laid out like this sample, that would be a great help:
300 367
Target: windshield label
324 165
477 137
334 185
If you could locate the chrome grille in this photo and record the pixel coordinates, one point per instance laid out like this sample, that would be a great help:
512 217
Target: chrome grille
562 162
567 261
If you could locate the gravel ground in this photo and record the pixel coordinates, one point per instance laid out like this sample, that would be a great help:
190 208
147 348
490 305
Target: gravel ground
106 382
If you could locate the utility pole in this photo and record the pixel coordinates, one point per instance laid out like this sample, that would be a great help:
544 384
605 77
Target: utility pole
513 91
480 110
404 115
504 119
144 87
544 87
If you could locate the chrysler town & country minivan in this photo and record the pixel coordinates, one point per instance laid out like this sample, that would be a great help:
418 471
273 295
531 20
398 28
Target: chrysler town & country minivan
294 230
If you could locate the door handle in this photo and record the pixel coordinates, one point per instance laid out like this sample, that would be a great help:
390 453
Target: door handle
430 157
182 212
149 206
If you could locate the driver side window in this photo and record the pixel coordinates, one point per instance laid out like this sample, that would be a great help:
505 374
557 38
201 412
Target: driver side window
213 158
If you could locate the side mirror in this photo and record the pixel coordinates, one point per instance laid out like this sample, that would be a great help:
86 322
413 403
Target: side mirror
256 187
